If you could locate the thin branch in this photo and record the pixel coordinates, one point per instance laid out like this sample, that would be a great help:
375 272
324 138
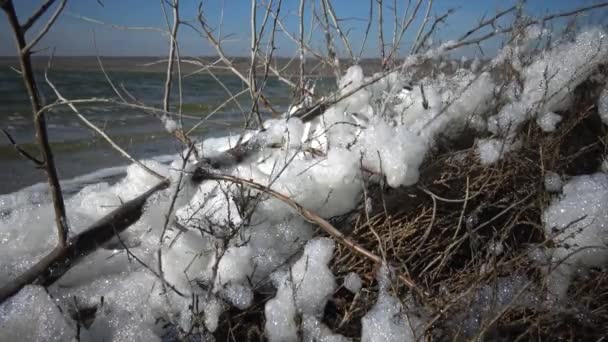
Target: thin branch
116 26
422 26
218 48
46 28
332 56
301 49
37 162
405 25
39 124
381 33
343 37
36 15
369 25
100 131
172 47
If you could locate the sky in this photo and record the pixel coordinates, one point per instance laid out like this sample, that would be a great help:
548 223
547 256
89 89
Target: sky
73 36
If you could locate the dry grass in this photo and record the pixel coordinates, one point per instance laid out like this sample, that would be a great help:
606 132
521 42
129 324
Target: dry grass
441 234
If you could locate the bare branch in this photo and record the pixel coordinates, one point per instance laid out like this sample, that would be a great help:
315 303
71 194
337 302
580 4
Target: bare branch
172 47
301 48
332 57
39 124
343 37
36 15
22 152
422 26
369 25
381 33
116 26
100 131
46 28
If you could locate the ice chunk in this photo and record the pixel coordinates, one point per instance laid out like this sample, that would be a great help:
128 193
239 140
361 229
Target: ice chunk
548 121
393 151
351 82
305 289
280 314
212 311
313 280
234 266
387 320
491 150
239 295
352 282
315 331
578 224
31 315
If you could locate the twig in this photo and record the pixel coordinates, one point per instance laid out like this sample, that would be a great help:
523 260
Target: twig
310 216
101 132
36 15
45 29
37 162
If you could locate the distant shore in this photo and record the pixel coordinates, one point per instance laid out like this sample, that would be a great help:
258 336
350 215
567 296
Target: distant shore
158 64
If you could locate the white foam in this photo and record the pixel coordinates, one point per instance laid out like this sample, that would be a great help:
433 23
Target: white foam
352 282
387 320
553 182
578 225
548 121
31 315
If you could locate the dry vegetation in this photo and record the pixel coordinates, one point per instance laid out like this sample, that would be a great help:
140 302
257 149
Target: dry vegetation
441 233
460 229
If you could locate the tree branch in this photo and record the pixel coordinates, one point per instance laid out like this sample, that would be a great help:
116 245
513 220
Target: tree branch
27 74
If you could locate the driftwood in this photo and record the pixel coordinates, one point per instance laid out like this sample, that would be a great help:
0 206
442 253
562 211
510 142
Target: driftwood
61 259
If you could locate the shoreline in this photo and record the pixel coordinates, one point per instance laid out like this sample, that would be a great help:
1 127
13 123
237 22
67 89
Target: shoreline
156 65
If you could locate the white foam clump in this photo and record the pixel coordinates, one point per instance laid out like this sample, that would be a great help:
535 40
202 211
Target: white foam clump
170 124
549 80
602 105
553 182
304 290
387 321
31 315
491 150
352 282
315 331
280 313
578 225
548 121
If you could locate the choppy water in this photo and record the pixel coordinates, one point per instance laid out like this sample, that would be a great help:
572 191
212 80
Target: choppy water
79 151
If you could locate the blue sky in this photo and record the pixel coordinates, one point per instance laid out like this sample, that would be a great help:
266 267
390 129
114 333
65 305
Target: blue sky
74 36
